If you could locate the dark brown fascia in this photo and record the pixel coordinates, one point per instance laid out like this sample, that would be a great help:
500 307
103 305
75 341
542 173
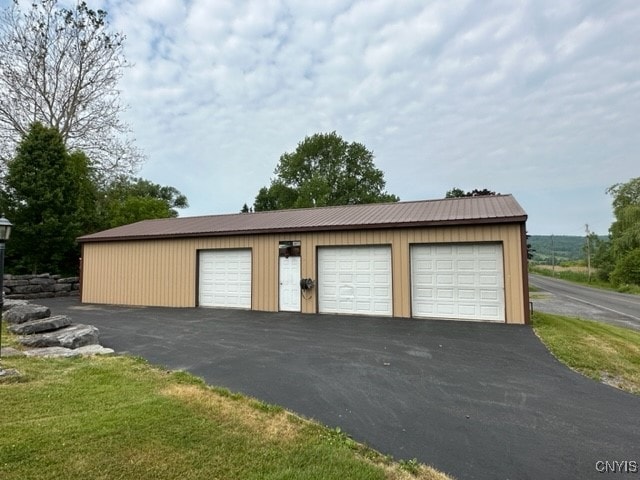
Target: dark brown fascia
443 223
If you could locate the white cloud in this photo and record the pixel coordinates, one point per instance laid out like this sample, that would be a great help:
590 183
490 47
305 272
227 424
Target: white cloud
579 37
537 98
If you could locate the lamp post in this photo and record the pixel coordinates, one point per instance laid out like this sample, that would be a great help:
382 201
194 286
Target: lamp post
5 232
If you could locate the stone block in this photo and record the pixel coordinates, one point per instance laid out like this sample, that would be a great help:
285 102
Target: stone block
22 277
42 281
62 287
94 350
10 352
69 280
9 303
42 325
73 336
27 289
26 313
43 295
52 352
15 283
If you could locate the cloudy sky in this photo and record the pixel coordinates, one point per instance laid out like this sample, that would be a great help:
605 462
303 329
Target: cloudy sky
540 99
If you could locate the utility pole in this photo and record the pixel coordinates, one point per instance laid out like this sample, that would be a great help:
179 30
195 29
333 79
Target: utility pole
553 258
586 228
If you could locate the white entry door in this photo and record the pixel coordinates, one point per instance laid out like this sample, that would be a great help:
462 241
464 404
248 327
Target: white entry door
290 284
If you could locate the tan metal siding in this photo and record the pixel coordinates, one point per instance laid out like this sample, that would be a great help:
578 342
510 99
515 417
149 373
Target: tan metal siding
163 272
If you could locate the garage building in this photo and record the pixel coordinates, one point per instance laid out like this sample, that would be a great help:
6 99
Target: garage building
462 258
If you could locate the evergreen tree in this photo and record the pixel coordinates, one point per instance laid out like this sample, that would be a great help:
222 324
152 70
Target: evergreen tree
44 184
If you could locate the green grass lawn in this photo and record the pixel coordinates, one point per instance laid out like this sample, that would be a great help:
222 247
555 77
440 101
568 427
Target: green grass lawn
118 417
603 352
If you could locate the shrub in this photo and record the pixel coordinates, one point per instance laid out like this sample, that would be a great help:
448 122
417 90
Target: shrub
627 269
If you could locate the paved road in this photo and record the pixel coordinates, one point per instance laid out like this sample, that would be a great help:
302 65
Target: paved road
576 300
477 400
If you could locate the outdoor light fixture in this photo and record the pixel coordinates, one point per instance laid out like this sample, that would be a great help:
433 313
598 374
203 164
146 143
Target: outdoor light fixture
5 232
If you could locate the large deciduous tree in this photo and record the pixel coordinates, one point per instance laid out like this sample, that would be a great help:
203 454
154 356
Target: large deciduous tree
128 200
625 232
61 67
324 170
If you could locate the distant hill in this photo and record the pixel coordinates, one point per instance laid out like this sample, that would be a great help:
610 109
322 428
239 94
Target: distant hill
566 248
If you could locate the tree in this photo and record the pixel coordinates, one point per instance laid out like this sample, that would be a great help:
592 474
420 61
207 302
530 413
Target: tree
459 193
455 192
53 196
276 197
324 170
128 200
625 232
45 193
627 269
61 67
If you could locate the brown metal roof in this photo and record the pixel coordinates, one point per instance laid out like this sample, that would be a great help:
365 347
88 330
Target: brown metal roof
468 210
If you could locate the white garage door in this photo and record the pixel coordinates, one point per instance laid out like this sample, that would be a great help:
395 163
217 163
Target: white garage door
354 280
458 281
225 278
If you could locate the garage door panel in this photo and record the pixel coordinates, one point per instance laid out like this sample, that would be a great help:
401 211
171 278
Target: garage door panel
444 310
355 280
225 278
466 279
489 280
489 295
444 280
444 294
487 265
464 294
469 281
465 265
345 278
487 311
467 310
444 265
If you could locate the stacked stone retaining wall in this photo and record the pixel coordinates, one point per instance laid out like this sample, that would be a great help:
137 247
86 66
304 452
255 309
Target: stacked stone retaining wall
40 286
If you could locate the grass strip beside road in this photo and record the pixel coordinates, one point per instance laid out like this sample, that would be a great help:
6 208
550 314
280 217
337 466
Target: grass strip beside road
600 351
118 417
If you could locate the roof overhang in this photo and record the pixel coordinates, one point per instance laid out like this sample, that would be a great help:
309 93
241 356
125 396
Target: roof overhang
168 236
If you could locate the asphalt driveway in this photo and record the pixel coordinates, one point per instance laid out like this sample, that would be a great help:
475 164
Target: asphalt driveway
477 400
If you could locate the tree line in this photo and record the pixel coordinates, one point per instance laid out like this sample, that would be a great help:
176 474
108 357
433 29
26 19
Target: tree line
618 257
53 195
